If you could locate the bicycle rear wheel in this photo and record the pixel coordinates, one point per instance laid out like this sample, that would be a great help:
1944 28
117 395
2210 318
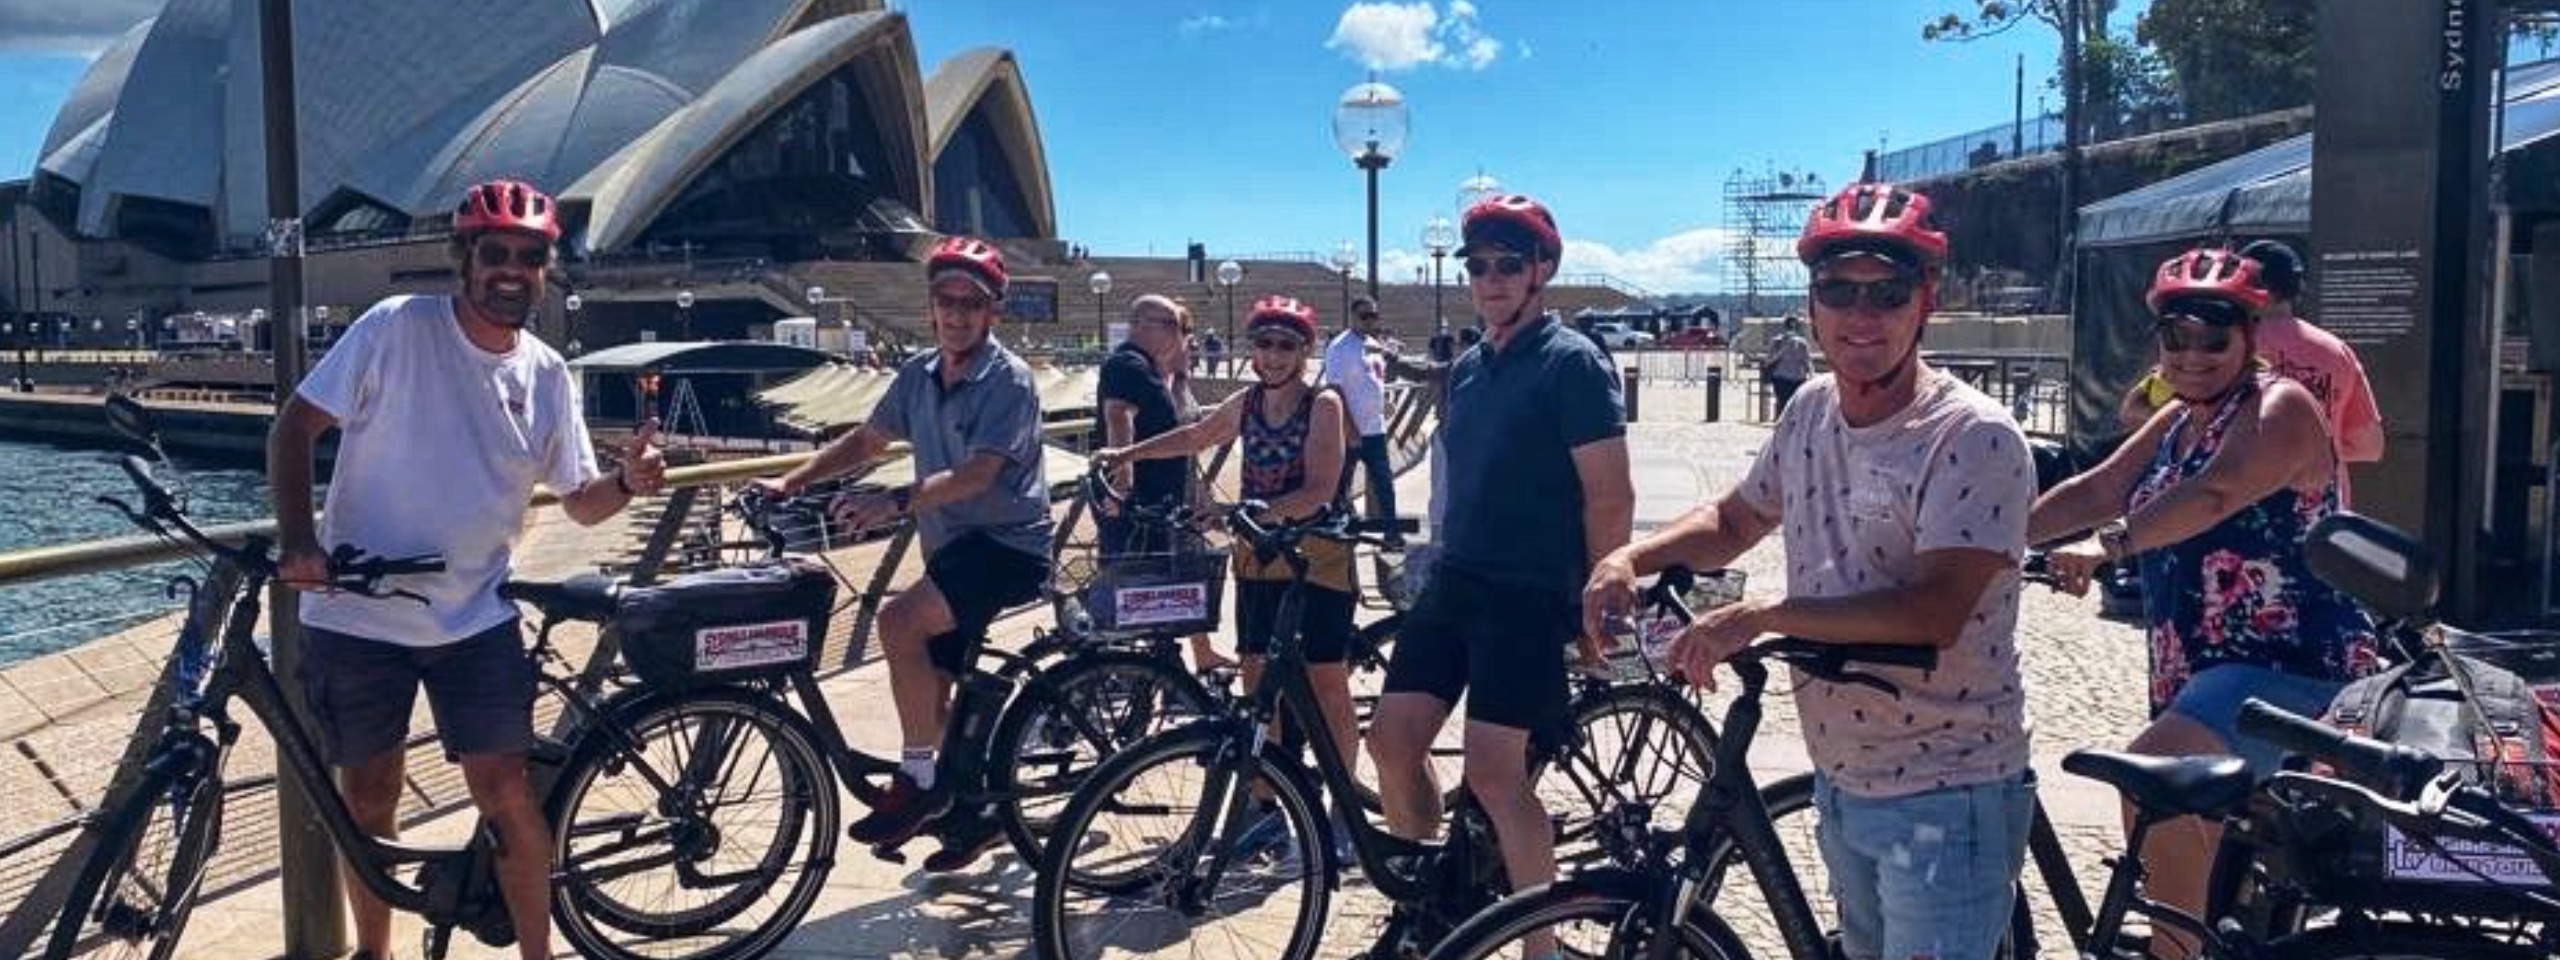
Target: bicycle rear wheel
1070 717
133 898
1586 919
701 825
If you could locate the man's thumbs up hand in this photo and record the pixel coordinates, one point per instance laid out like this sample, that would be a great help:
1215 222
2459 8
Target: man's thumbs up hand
644 466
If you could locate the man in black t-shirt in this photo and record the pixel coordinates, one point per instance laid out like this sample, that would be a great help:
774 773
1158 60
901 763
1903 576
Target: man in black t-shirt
1135 404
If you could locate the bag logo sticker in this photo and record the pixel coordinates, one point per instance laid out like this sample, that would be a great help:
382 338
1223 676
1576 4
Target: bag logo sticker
750 645
1170 603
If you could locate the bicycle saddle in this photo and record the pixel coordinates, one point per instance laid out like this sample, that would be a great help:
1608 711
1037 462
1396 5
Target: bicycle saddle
2203 786
587 596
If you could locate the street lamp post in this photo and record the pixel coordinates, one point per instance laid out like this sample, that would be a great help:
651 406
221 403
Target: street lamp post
1101 284
1230 273
571 305
1438 237
684 315
1370 125
1474 189
1343 259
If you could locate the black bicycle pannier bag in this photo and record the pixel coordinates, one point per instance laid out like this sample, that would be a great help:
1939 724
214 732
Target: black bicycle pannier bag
2504 732
728 623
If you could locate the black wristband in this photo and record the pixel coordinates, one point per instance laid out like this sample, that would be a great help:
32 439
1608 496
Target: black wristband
621 481
903 498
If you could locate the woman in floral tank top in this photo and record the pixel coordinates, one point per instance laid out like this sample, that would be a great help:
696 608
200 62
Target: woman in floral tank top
2212 498
1291 442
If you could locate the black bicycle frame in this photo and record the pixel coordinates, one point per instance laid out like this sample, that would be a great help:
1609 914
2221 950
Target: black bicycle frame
1729 810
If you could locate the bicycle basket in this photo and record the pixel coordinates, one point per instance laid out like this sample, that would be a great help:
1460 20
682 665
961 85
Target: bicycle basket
1176 591
723 624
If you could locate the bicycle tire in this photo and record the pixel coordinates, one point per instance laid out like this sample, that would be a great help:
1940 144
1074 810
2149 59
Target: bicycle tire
1138 694
1153 880
647 830
2396 941
1634 742
1591 916
139 886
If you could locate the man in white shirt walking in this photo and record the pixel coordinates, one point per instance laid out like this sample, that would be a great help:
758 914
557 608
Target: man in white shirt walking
1349 367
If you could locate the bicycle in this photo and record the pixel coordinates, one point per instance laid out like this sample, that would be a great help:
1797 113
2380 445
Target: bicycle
1210 848
156 833
1025 725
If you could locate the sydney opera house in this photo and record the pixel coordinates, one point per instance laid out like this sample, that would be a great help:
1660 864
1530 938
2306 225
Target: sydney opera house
709 144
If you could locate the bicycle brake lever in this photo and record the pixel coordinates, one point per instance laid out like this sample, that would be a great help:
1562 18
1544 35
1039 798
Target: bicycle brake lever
139 518
1870 681
409 595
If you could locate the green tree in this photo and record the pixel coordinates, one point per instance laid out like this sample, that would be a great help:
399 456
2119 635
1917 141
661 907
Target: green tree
2233 58
2120 83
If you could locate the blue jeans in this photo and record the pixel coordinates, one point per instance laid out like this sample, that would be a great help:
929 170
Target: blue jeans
1931 874
2213 698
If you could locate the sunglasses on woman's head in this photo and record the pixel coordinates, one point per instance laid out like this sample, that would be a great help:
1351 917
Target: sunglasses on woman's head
492 253
1508 265
1890 293
2175 337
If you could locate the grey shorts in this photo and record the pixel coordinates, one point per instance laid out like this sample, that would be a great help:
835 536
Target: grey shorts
360 692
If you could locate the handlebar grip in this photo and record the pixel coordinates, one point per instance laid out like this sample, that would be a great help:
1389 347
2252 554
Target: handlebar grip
1386 525
140 472
2391 767
1841 655
423 563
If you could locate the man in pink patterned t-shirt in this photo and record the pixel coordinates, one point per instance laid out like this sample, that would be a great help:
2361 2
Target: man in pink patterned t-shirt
2316 359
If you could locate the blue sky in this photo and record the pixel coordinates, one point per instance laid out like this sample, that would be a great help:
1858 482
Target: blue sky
1175 120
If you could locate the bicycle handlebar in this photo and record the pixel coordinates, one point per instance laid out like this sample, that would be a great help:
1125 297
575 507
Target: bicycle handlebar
2444 808
1833 662
350 569
2394 769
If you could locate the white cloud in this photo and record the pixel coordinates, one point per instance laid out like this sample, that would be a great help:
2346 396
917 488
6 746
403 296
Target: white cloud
1391 36
1206 23
54 26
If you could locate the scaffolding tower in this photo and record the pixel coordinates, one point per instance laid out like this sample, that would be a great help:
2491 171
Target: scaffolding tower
1763 212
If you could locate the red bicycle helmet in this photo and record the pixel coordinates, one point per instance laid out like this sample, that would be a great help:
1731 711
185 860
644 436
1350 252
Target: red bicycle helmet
1279 311
507 205
979 259
1879 218
1512 221
2208 273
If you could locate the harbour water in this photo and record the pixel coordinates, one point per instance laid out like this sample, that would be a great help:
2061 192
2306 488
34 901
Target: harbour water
48 497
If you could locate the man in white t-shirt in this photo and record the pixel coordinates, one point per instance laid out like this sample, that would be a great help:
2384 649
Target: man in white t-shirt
448 412
1901 495
1362 380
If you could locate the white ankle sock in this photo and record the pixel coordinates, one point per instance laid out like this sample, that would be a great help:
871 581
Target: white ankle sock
917 764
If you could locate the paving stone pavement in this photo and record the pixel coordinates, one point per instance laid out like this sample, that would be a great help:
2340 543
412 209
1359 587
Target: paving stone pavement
2084 680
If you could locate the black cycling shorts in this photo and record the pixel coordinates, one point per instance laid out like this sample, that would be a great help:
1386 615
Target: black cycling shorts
979 579
1324 619
1501 646
360 692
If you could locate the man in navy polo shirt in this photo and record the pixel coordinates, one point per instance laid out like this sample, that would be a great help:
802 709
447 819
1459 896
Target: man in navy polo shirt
1538 488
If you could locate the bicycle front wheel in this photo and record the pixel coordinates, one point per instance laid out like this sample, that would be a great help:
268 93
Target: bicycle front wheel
1171 850
1068 719
133 897
1585 917
701 825
1634 743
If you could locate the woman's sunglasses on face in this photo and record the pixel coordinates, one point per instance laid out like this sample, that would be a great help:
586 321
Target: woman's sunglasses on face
1508 265
963 303
1279 344
494 253
1890 293
2176 336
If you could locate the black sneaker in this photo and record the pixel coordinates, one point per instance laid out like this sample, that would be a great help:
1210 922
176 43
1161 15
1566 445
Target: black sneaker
901 812
964 840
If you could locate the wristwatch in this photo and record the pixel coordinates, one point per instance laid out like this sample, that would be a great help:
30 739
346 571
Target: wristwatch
2111 540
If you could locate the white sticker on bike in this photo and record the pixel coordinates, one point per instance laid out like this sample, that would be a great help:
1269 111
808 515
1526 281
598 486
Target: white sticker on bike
750 645
2407 859
1170 603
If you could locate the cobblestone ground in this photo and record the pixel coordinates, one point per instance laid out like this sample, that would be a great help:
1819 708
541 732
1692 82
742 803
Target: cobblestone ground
2084 681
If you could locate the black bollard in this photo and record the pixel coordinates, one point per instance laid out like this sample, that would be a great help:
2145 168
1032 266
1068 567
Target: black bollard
1630 387
1715 395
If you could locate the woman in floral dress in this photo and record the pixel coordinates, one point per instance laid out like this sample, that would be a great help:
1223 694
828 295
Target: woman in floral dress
2212 498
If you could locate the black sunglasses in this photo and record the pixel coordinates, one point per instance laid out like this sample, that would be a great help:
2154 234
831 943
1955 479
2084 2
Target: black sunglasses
962 304
2214 338
492 253
1507 265
1890 293
1279 344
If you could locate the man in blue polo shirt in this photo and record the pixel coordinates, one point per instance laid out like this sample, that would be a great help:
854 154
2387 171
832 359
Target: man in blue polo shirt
968 412
1538 488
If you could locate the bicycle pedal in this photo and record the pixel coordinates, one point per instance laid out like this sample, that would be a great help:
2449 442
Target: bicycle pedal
890 853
